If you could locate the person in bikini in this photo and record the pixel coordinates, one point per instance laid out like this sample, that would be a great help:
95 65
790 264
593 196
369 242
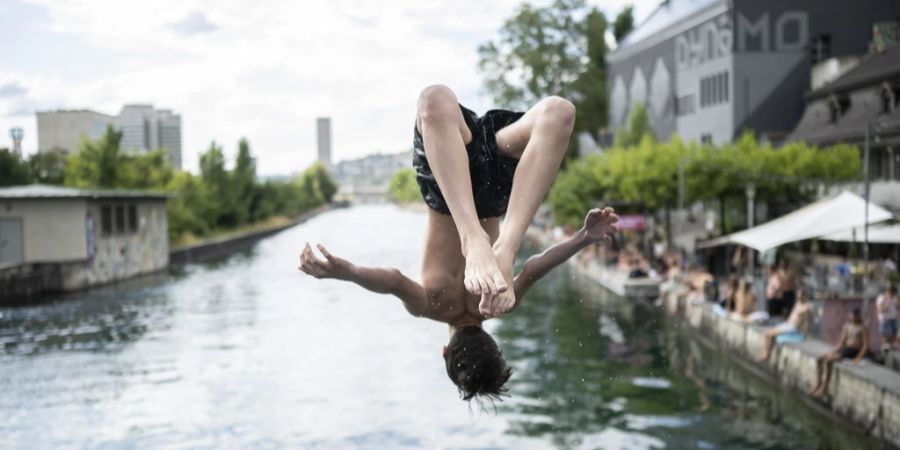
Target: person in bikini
472 170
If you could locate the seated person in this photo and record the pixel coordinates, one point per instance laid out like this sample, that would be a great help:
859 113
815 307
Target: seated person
854 344
729 293
636 271
800 321
745 302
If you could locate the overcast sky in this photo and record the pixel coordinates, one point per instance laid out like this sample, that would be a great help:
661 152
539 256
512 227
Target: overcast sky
232 68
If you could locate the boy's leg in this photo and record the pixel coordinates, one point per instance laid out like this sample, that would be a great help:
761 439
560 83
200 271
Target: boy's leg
539 140
444 134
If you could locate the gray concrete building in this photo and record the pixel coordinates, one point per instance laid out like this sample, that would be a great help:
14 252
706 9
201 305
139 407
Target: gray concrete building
709 69
323 140
143 128
59 239
63 130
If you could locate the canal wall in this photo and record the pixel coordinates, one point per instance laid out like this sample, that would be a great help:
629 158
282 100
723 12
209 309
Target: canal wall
23 284
866 395
223 246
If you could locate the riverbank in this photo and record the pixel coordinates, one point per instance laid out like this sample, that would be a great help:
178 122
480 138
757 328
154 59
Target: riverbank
226 244
865 395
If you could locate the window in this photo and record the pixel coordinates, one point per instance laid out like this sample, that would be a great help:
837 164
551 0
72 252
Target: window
820 48
132 219
706 139
837 107
714 89
120 219
106 220
888 99
686 104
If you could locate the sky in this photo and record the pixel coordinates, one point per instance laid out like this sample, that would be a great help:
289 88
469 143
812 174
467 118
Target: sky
263 71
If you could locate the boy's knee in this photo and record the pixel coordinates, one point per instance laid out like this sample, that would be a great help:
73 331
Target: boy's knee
558 112
436 102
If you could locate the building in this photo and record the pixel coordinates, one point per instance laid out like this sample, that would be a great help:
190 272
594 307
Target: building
864 95
60 239
710 69
63 130
323 140
367 179
143 128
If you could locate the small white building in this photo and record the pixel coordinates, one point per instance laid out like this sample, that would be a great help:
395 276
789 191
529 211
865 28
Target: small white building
58 239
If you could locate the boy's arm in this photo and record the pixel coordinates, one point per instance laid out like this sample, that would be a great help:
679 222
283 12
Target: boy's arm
599 225
379 280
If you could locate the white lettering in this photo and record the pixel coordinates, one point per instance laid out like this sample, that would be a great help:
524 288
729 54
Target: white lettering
759 28
800 19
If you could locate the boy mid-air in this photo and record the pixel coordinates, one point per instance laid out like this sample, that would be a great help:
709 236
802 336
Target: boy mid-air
472 170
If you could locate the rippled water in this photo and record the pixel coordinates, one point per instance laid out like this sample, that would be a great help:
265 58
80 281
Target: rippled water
248 352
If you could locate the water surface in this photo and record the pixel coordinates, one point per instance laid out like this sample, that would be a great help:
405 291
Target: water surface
248 352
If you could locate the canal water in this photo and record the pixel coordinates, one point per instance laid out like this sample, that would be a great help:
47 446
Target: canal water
249 352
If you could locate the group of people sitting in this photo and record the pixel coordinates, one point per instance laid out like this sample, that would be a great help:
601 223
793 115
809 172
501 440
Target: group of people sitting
788 305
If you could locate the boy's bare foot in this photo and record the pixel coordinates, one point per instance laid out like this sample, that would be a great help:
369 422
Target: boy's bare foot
502 302
482 275
817 392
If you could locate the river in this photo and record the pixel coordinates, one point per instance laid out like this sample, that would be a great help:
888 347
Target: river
249 352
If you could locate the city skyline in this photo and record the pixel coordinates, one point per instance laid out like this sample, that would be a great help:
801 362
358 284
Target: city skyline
264 73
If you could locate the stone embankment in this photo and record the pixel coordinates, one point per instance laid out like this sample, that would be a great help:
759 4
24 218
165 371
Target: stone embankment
866 395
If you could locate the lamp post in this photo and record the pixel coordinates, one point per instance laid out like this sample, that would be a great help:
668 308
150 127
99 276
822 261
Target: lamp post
751 213
866 224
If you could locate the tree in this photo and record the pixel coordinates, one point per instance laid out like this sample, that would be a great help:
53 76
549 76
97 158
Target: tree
324 182
98 163
540 52
13 171
148 171
637 129
243 180
47 167
589 90
623 24
404 188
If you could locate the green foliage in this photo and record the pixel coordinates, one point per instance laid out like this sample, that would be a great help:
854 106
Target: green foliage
637 129
647 173
217 199
577 189
13 171
99 163
589 89
47 167
404 188
546 46
623 24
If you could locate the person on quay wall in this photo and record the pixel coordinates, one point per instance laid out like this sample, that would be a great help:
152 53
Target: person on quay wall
886 305
800 321
854 344
472 170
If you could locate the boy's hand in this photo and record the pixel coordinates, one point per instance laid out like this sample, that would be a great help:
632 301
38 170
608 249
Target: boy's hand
331 267
600 225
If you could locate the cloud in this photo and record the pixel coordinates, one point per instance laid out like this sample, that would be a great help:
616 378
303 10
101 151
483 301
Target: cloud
194 23
272 68
12 89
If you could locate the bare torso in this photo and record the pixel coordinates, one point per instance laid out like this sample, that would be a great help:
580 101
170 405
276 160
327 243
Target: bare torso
443 270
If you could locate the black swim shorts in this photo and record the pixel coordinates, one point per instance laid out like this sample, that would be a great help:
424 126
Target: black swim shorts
491 172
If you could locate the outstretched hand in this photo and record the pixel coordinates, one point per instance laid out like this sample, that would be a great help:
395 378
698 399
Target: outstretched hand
330 267
601 225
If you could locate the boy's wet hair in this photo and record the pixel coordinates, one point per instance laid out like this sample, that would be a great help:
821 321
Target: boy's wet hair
475 365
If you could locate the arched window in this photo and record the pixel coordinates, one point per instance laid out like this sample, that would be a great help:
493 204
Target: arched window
888 98
838 106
